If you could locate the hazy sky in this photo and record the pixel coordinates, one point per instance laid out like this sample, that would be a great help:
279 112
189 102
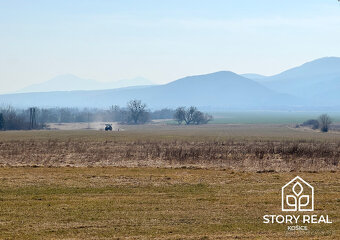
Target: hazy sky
161 40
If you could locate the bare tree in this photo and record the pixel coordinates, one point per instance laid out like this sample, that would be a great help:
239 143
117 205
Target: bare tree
198 117
180 115
189 115
201 118
137 111
13 119
325 121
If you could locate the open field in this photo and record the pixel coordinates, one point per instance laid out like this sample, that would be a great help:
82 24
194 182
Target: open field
164 182
270 117
146 203
79 126
238 147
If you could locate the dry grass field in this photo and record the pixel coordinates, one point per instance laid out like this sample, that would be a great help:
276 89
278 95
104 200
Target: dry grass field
163 182
154 203
239 147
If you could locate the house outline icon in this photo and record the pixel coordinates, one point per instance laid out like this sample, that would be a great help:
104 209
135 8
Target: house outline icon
297 207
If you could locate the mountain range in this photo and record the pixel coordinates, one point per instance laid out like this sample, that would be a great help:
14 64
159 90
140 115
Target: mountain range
316 80
313 85
69 82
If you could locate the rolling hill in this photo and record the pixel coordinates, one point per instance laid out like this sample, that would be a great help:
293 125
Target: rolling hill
313 85
254 76
312 81
69 82
220 90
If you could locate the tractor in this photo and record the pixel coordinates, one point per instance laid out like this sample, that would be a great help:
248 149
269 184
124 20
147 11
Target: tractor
108 127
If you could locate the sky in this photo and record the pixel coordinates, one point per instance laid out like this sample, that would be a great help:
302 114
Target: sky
161 40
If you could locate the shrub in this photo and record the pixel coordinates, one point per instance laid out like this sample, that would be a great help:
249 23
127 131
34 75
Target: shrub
311 122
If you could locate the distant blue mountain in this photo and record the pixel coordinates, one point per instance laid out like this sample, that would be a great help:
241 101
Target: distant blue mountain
69 82
313 85
220 90
254 76
312 80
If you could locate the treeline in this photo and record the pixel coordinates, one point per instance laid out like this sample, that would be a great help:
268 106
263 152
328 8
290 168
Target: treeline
323 123
17 119
135 112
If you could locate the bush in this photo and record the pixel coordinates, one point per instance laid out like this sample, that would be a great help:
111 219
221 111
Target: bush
311 122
